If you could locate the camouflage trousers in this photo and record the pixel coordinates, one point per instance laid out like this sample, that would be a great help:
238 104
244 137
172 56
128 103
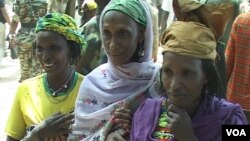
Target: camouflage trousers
30 66
2 40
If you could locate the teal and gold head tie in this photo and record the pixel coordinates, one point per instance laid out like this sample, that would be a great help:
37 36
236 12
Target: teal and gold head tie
63 25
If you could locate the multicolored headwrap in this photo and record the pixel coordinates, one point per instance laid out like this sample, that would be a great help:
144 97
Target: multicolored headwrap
201 44
132 8
215 16
61 24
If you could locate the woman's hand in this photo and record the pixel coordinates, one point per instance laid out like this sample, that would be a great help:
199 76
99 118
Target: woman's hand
12 43
122 120
123 117
55 125
180 124
117 135
58 138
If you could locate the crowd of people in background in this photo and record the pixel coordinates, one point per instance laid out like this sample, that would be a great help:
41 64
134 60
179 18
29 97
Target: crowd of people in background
4 18
97 79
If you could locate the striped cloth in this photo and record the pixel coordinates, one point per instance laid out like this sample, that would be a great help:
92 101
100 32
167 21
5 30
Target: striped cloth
238 62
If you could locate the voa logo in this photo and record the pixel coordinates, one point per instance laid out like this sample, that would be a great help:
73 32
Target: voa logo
236 132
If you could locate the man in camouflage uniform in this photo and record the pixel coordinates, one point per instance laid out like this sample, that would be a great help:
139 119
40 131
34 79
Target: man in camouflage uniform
58 6
94 54
62 6
87 11
4 18
27 13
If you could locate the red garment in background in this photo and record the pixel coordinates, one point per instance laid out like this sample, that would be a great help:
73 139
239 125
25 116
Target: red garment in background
238 62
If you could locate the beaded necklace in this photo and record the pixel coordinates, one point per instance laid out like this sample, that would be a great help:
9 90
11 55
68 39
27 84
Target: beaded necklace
162 132
55 93
61 96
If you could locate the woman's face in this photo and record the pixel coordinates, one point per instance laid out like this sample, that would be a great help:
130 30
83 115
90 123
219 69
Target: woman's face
53 52
120 37
183 79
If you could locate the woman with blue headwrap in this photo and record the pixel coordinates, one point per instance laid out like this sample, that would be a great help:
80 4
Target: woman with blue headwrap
127 37
43 104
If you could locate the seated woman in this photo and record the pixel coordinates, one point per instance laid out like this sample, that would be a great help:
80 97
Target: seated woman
43 104
191 108
126 31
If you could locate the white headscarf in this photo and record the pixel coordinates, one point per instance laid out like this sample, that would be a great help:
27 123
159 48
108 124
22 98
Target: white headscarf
108 86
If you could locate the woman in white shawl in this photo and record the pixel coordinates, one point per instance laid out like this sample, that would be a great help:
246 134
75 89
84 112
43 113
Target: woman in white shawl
127 36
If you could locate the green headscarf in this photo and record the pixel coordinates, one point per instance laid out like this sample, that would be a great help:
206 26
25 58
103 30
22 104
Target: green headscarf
61 24
132 8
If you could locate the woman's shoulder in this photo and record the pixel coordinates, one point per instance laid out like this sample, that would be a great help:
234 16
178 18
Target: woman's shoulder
80 76
156 90
151 102
231 112
224 104
32 81
30 86
100 70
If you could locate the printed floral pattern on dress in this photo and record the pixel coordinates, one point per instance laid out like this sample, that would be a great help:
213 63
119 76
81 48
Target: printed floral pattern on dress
98 126
89 101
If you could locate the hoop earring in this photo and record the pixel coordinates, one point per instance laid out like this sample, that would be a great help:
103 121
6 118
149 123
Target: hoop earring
71 61
161 86
141 52
205 95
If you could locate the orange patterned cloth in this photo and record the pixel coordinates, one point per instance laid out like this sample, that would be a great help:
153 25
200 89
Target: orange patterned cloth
238 62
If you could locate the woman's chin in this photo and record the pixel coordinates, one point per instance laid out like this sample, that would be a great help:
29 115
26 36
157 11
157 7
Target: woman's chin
49 70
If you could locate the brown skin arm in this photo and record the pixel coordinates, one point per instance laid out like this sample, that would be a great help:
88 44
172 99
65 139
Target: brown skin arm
70 9
117 135
156 37
84 62
54 126
5 14
30 137
179 122
13 27
86 58
163 22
